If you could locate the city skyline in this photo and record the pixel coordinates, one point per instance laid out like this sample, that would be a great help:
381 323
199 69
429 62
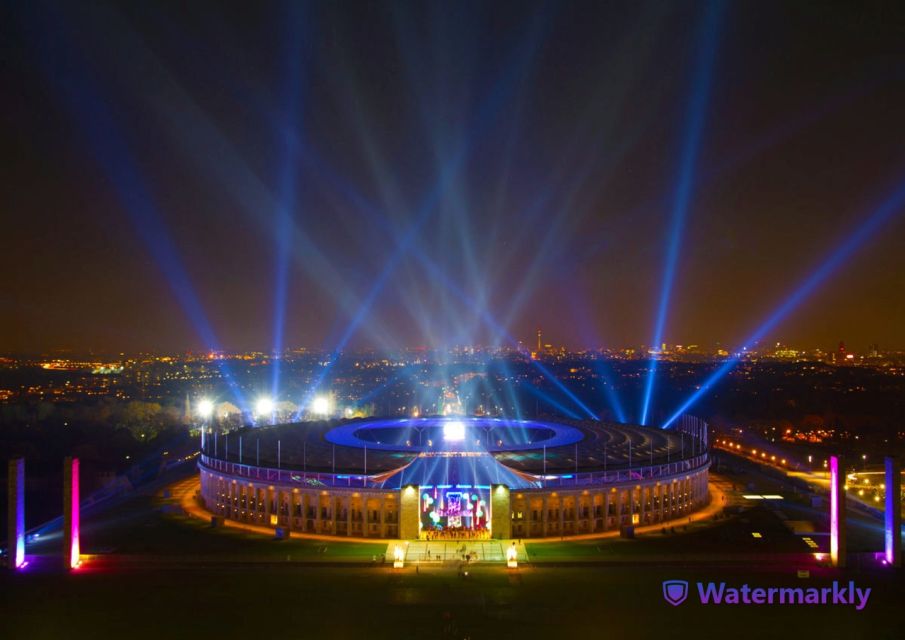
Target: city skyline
524 347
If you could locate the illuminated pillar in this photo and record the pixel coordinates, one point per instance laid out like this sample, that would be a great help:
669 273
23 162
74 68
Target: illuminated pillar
15 515
71 513
318 526
348 503
409 512
837 512
893 516
337 503
606 510
500 512
545 515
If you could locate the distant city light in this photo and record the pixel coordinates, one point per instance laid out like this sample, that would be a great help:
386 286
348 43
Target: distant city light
205 408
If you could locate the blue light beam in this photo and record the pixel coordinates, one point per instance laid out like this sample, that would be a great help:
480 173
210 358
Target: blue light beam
694 118
881 215
288 133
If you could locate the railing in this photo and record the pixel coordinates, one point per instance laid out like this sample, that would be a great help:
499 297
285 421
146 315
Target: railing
287 476
315 480
617 476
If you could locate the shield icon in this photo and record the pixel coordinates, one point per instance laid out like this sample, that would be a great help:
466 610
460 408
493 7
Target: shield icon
675 591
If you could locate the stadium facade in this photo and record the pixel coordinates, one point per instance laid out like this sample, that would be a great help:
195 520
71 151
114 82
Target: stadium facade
456 477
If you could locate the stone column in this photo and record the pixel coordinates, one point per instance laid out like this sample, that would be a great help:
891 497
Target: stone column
317 513
329 522
365 516
409 512
545 515
347 501
664 501
606 510
562 514
500 512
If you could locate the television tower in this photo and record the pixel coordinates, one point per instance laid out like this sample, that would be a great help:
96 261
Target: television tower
538 342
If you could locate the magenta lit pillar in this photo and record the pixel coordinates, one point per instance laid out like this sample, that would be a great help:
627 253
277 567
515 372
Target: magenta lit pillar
837 512
893 515
71 556
16 513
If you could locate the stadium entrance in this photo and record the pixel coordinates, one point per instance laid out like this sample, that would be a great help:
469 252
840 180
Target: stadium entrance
455 512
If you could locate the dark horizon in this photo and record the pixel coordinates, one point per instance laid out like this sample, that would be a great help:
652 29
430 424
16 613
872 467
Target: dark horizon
425 175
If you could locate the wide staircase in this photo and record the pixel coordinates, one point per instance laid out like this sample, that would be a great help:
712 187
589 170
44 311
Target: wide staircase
454 551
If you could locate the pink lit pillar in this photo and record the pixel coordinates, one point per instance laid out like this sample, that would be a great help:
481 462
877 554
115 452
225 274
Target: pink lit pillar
893 516
837 512
15 516
71 556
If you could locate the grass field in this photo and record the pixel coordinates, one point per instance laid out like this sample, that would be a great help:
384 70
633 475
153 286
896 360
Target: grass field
153 572
297 601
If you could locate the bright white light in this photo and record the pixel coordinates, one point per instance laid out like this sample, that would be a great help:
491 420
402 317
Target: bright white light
320 405
264 407
205 408
512 557
454 431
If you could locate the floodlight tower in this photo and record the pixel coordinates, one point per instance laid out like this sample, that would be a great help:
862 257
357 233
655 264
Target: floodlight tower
204 411
264 407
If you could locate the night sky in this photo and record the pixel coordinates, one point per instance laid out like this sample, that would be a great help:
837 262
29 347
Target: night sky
444 173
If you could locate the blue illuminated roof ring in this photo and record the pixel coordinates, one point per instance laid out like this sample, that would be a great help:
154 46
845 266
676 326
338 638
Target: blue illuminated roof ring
418 435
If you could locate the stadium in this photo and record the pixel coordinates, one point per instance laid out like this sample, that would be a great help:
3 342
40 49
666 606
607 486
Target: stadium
455 477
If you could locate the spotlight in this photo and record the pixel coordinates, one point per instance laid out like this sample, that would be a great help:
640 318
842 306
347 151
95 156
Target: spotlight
205 408
320 405
454 431
264 407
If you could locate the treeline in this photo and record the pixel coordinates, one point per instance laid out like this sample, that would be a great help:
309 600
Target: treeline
141 418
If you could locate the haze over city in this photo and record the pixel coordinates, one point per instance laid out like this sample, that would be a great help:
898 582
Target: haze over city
437 175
